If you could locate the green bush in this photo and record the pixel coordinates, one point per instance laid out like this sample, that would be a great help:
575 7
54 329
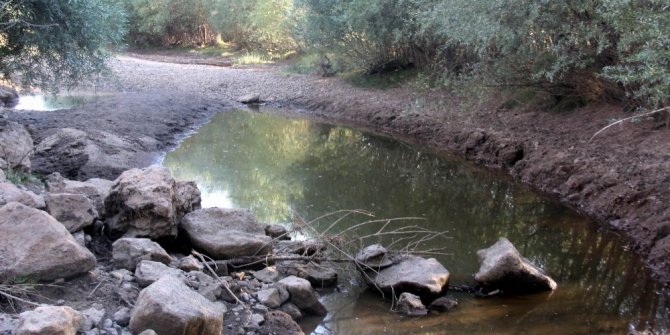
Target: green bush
50 43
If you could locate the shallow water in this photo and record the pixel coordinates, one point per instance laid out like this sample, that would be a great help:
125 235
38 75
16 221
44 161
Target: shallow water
288 169
51 102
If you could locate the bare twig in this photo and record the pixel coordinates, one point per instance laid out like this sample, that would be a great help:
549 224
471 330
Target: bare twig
629 118
223 282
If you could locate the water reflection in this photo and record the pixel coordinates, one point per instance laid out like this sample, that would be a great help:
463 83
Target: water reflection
279 167
52 102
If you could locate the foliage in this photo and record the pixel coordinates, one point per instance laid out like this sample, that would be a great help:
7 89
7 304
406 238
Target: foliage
57 42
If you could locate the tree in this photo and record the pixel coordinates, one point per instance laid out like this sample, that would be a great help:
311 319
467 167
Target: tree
53 43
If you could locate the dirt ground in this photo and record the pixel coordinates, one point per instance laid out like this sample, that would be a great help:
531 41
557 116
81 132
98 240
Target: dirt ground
621 178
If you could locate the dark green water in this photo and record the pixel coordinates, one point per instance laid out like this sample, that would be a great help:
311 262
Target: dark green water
283 168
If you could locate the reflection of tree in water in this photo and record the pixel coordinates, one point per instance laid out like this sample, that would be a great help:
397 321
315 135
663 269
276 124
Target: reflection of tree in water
276 167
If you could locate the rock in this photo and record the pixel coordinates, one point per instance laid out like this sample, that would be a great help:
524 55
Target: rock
226 233
317 274
277 231
207 286
148 332
95 189
144 203
410 304
92 318
187 196
169 307
148 272
78 154
255 320
25 233
190 263
267 275
443 304
416 275
80 237
302 295
3 178
122 316
305 248
8 97
269 297
16 147
249 98
277 322
127 252
74 211
502 267
374 257
8 323
12 193
292 310
49 320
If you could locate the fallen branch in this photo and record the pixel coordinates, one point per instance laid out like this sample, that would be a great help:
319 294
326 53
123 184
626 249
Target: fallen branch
629 118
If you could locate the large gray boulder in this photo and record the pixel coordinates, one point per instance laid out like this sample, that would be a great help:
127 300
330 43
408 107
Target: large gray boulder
148 272
78 154
127 252
146 202
169 307
16 147
302 295
36 246
12 193
95 189
416 275
74 211
226 233
49 320
502 267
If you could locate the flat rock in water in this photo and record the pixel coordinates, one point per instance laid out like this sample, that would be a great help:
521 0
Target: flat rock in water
26 233
12 193
74 211
128 252
16 147
502 267
416 275
443 304
145 203
249 98
226 233
374 257
410 304
169 307
317 274
49 320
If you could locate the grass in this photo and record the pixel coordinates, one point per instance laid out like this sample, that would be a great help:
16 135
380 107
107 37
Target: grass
251 58
382 81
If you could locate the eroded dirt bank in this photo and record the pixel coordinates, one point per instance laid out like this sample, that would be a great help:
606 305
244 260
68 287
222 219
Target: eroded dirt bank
621 178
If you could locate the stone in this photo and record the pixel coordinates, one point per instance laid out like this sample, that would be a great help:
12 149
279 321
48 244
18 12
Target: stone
256 320
226 233
204 284
80 237
8 323
304 248
250 98
416 275
9 97
143 203
503 268
443 304
374 257
12 193
3 178
80 155
49 320
190 263
95 189
187 196
74 211
317 274
292 310
148 332
267 275
303 295
410 304
148 272
92 317
25 233
278 322
169 307
269 297
277 231
16 147
128 251
122 316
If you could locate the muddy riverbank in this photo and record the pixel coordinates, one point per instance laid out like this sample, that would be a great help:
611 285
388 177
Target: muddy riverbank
620 178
